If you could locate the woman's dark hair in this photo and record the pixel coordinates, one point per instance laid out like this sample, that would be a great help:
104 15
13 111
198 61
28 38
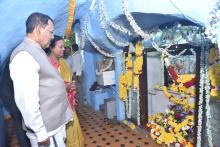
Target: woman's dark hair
53 43
36 19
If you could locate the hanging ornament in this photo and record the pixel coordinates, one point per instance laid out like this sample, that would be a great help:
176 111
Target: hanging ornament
122 87
70 18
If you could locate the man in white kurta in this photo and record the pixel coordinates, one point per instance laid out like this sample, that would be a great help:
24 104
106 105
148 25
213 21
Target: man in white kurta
40 92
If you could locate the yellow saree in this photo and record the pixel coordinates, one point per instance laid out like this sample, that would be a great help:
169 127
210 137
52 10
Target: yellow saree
74 137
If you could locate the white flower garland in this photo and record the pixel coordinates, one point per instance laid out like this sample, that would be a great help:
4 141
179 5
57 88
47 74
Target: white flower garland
126 106
82 35
166 50
128 99
102 21
129 104
162 70
103 52
193 52
113 40
204 85
214 23
98 49
200 103
207 89
138 106
112 23
119 28
132 22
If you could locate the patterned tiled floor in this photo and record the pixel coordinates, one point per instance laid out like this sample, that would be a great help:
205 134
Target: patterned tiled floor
99 132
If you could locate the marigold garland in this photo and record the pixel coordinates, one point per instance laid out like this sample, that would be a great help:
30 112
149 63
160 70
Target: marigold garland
139 58
179 101
129 71
138 63
70 18
214 72
122 87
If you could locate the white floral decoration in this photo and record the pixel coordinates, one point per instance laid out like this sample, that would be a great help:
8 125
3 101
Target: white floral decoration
138 106
126 106
165 50
132 22
82 35
129 104
162 70
112 39
119 28
103 52
200 103
204 86
112 23
211 28
207 96
103 22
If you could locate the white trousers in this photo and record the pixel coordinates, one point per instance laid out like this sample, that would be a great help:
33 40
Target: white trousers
57 140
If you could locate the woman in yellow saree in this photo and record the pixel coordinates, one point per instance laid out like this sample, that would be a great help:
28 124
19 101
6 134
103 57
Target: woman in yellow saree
74 133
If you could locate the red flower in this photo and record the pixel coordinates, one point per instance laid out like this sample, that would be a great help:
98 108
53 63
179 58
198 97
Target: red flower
190 113
177 115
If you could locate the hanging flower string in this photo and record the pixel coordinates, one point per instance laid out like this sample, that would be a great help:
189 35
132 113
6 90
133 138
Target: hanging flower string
132 22
83 33
129 78
103 52
138 63
123 87
204 91
103 22
119 28
165 50
207 90
200 103
214 17
162 70
138 106
128 103
129 71
112 23
70 18
214 73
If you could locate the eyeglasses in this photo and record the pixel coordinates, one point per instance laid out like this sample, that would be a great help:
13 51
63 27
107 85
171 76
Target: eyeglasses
51 32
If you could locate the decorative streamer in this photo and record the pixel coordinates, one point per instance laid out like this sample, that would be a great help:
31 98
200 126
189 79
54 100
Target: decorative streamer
132 22
112 23
103 52
103 22
207 90
70 18
200 103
